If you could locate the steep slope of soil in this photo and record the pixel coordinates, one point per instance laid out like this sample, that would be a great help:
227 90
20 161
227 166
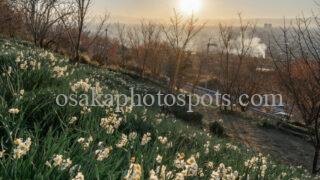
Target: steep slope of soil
280 145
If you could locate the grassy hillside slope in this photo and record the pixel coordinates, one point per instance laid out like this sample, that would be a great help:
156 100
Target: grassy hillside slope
41 140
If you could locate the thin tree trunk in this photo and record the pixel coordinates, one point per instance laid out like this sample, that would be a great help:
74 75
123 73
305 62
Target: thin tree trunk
143 65
315 161
197 78
77 55
316 149
176 73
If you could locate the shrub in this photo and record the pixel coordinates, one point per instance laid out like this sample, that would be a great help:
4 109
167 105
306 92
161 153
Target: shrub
265 123
182 113
217 129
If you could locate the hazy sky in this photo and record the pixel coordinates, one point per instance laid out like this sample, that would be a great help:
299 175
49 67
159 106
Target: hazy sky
210 9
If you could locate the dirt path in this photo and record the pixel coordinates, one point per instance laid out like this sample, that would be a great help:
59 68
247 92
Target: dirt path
282 146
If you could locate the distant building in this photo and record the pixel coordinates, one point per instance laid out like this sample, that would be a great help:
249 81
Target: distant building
268 25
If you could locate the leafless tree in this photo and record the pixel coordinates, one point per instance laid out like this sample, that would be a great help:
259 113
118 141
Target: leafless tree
179 34
40 16
81 13
202 60
10 20
225 41
122 39
298 66
237 73
150 33
144 42
100 48
76 26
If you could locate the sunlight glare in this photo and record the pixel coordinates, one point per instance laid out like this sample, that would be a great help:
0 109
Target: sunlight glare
190 6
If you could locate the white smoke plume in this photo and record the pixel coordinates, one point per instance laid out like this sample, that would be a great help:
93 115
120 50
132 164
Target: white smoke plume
256 48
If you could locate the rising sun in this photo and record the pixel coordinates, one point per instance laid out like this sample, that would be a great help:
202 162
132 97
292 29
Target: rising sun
190 6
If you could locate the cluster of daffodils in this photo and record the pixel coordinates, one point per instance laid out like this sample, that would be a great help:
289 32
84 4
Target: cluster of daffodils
163 140
159 159
103 153
134 171
132 136
22 147
98 89
34 64
8 72
123 141
126 110
85 85
224 173
146 139
206 147
85 109
2 153
160 173
79 176
20 94
159 118
51 57
6 45
152 175
209 165
19 57
111 123
60 71
23 63
14 111
217 148
189 168
60 162
82 85
257 163
232 147
85 143
73 120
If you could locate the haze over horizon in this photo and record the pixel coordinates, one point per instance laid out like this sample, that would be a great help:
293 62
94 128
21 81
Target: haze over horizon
209 10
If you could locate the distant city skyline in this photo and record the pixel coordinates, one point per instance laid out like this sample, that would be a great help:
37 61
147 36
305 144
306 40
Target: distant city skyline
210 10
